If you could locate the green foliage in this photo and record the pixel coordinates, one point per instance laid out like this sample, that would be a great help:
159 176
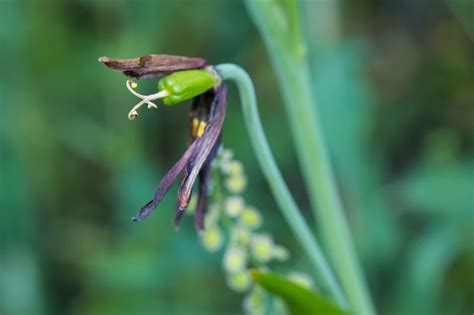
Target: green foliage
300 300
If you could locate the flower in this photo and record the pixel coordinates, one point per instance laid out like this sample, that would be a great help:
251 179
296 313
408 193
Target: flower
261 246
234 205
236 183
251 217
239 281
189 78
212 239
235 259
254 302
241 234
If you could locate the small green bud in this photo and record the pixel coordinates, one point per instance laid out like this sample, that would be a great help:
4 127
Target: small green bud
235 259
254 302
261 247
239 281
234 205
241 234
236 184
184 85
236 168
251 218
212 239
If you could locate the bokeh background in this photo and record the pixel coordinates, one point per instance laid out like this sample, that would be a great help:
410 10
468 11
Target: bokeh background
394 84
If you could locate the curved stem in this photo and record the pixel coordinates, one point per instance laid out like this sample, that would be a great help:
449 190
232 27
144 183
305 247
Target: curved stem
278 187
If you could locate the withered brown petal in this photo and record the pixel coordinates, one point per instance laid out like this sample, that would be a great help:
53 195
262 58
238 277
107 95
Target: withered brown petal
152 65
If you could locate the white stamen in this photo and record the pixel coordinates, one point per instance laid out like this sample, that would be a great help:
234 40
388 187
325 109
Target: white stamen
146 99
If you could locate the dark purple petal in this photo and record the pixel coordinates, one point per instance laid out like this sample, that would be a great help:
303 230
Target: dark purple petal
204 145
152 65
204 176
165 184
199 111
203 195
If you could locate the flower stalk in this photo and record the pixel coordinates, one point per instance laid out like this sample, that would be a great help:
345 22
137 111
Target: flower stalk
277 185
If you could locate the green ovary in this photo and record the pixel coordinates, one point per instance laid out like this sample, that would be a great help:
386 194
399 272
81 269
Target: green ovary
184 85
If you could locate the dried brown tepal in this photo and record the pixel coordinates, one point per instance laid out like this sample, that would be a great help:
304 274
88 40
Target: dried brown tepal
152 65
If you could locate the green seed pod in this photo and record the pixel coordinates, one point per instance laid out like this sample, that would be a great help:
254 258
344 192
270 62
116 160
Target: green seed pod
184 85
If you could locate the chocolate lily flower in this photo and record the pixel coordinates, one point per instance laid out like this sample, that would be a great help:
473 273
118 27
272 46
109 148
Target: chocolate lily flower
189 78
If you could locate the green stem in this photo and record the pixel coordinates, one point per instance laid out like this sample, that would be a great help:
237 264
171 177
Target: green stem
278 187
288 54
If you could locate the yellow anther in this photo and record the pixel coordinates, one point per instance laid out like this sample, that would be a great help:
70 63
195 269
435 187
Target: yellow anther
201 127
134 85
194 127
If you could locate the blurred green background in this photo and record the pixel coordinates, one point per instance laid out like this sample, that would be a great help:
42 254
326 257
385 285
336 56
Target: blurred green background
394 82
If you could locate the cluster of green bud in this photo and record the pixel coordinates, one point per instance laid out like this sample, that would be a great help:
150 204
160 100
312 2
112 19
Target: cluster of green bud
232 224
236 180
